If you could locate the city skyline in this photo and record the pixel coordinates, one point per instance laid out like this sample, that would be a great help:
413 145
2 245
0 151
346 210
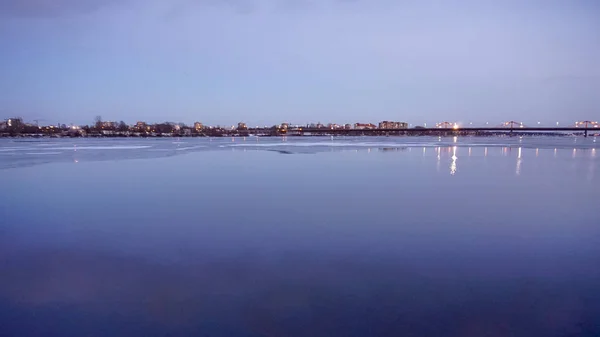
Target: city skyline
382 124
265 62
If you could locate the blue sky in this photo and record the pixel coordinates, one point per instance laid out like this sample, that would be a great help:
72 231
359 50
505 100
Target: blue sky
268 61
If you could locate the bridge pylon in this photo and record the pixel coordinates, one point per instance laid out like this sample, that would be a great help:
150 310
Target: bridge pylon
512 124
586 125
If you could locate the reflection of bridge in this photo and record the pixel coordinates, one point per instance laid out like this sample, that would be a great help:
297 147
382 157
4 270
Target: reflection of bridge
441 131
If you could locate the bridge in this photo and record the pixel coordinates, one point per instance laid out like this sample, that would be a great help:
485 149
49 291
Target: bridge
447 128
455 130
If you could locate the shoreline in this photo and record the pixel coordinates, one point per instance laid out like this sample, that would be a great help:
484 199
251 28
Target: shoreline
323 134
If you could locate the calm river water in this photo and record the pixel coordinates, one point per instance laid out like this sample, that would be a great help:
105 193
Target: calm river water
394 236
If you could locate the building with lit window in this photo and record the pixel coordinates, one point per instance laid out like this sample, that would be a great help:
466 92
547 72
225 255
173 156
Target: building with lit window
393 125
198 126
109 125
141 126
363 126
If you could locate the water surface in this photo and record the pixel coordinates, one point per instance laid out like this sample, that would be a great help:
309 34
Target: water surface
391 236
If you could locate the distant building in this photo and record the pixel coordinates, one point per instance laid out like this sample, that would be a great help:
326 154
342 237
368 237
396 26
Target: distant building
348 126
198 126
285 126
319 125
13 125
242 126
108 125
141 126
363 126
393 125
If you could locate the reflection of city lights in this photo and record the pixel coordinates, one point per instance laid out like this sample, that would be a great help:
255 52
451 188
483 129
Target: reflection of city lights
518 171
537 152
453 164
470 150
455 139
555 152
439 157
485 152
424 150
593 152
574 152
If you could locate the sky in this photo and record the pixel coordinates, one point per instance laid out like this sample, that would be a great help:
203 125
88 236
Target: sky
269 61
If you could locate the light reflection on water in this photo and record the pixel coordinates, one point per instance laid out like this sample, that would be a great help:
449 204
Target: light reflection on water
518 171
453 166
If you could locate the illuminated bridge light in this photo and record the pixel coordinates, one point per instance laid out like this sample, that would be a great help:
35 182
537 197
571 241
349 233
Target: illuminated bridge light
512 124
586 124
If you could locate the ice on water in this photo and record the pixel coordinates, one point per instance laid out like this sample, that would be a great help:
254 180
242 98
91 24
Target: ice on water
17 153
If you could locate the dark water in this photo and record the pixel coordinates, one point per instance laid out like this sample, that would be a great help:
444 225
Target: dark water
352 237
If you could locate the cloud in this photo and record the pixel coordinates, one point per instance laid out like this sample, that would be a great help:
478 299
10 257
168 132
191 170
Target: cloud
50 8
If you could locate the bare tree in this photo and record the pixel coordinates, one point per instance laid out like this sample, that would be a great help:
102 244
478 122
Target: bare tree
123 127
98 121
